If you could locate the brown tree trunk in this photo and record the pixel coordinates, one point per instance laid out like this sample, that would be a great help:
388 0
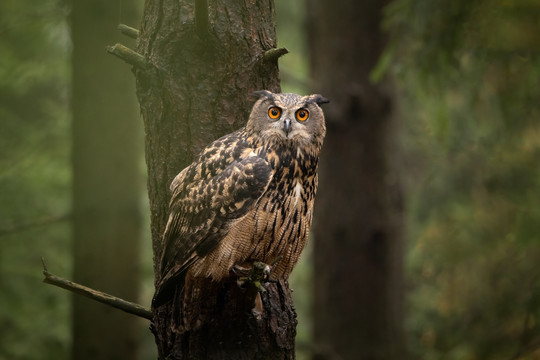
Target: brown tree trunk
358 227
203 66
107 182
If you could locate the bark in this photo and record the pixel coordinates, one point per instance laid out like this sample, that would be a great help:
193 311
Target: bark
106 183
358 231
201 71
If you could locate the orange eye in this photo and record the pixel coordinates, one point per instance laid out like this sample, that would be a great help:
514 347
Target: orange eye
274 112
302 115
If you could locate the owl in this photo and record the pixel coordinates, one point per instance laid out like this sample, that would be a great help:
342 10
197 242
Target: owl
247 197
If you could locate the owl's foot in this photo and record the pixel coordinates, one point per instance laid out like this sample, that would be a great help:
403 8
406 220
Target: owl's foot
256 276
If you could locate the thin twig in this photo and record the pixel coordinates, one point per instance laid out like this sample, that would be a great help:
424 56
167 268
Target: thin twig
102 297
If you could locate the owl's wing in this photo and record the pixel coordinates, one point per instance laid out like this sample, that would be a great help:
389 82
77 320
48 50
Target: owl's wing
207 197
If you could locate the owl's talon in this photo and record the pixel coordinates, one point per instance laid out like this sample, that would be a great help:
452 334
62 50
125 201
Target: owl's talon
257 276
260 272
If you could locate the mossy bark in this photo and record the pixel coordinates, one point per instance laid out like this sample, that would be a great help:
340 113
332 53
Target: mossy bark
195 89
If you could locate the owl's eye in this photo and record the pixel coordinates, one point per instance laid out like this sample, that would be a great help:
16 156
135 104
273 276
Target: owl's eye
302 115
274 112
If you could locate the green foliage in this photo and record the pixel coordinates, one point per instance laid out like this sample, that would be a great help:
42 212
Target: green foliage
34 178
468 72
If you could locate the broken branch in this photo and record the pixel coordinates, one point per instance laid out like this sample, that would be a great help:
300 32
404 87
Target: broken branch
128 31
128 55
274 54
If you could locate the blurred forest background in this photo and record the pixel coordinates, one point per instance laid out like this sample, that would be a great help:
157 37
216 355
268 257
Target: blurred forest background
467 75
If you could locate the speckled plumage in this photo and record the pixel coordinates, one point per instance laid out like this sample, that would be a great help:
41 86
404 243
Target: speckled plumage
248 196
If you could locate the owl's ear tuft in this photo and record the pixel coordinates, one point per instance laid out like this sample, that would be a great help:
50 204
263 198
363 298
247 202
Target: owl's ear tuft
318 99
262 94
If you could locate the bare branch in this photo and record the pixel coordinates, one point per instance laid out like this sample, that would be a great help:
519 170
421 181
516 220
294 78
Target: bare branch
96 295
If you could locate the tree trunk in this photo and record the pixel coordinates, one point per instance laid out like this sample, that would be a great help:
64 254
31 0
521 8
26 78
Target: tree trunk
204 63
106 183
358 227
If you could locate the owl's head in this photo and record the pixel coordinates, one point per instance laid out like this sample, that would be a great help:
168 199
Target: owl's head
288 118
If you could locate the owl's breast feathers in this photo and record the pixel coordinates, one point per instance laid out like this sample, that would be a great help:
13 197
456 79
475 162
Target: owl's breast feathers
241 200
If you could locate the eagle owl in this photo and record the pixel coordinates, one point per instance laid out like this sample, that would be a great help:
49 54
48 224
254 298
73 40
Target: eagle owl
248 196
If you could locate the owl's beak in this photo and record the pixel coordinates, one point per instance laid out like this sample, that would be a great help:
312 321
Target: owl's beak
287 126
